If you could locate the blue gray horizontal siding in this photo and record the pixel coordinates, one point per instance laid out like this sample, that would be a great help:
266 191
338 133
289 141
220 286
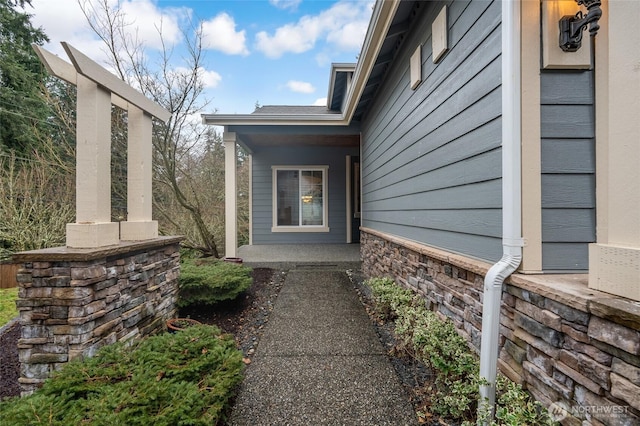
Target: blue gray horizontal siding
262 189
568 169
431 157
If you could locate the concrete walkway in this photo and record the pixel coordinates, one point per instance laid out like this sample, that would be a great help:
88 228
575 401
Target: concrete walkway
320 362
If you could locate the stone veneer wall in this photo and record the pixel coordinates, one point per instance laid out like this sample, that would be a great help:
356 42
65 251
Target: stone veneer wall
572 348
74 301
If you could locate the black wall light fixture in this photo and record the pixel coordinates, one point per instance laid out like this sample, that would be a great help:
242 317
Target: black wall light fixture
571 27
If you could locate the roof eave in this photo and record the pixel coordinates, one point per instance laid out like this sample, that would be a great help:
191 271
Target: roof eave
381 19
273 119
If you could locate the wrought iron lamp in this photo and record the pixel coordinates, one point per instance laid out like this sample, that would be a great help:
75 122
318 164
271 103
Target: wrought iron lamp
571 27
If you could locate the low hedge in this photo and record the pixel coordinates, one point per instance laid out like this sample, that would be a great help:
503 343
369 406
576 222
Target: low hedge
209 281
185 378
455 389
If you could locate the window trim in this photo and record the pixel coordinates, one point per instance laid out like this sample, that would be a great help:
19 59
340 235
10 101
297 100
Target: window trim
325 207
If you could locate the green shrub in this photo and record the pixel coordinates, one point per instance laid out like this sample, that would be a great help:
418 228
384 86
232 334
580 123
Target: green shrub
455 390
388 296
516 407
8 310
444 351
206 282
184 378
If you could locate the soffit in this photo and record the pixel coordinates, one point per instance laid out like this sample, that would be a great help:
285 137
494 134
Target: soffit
402 20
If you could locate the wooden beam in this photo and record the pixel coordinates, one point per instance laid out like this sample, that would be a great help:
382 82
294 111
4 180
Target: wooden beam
62 69
57 66
93 71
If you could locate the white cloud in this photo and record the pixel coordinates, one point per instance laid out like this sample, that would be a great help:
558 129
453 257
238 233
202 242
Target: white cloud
211 79
147 20
323 59
350 36
220 34
285 4
320 102
300 86
66 22
343 25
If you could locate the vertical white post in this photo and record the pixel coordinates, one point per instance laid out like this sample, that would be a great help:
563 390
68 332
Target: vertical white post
349 198
139 224
230 193
93 227
614 261
97 89
250 195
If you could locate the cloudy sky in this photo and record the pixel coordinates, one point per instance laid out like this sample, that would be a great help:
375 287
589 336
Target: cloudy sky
271 52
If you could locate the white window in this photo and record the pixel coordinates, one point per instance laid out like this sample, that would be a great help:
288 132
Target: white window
300 199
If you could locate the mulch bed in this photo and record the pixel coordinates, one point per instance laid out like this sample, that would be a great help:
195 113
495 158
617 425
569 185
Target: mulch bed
246 316
9 363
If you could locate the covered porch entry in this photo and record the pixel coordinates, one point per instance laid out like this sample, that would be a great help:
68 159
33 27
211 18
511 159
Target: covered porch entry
304 183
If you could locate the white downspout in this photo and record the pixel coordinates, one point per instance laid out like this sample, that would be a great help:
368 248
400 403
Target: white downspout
512 241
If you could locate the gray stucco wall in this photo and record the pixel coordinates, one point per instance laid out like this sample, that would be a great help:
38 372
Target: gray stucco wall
264 159
431 157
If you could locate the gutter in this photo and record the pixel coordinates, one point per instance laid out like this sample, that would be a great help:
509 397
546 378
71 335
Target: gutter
512 241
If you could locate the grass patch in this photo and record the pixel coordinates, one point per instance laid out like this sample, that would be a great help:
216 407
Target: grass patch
184 378
8 310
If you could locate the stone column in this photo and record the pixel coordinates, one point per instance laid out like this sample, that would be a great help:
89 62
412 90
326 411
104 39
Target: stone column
93 226
74 301
139 224
230 190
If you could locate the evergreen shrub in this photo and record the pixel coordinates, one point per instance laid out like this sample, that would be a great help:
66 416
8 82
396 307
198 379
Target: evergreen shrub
185 378
207 282
436 343
389 298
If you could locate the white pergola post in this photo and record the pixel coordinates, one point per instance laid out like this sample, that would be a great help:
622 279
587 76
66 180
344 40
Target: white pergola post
139 224
97 90
93 225
230 194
